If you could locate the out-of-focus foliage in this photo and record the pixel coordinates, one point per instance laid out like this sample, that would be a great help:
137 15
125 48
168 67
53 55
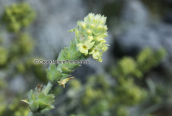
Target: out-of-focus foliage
128 90
131 87
23 45
105 96
4 55
17 57
102 96
146 60
38 101
18 16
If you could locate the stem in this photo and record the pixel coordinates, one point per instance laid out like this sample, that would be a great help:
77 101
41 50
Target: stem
48 88
30 114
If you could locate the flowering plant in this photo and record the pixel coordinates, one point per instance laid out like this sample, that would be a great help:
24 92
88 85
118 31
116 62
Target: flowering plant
89 40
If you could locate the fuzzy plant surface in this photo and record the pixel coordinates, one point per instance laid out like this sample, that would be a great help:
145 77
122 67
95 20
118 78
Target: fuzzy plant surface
89 41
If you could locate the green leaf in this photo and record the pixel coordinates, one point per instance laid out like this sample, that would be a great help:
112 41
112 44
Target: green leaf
64 55
42 104
45 110
34 106
48 99
53 74
31 96
66 70
65 75
72 30
72 47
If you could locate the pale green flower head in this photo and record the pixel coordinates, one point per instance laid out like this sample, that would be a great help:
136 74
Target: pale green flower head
18 16
90 35
93 25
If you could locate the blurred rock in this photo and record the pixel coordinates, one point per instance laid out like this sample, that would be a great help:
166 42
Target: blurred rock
143 33
138 37
135 12
169 1
168 18
17 84
54 20
84 71
155 36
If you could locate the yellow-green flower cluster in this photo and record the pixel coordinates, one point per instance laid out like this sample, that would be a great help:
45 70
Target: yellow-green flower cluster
122 111
90 35
18 16
129 93
23 45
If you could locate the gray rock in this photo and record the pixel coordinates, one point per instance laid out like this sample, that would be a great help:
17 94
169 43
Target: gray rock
139 37
54 20
135 12
144 32
17 84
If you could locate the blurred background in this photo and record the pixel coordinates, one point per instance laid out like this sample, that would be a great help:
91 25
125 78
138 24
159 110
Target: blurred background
134 79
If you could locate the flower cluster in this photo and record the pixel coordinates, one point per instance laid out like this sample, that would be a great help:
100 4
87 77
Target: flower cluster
18 16
128 89
89 40
90 35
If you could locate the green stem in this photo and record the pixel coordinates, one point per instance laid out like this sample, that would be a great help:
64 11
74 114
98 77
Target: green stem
48 88
30 114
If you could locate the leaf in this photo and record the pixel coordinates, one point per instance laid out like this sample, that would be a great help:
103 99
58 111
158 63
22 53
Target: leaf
31 96
65 75
26 101
42 104
66 70
34 106
53 74
72 30
72 47
45 110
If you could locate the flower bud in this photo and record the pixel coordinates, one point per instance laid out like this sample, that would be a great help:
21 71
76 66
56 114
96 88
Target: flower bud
90 16
97 19
90 37
104 48
89 32
92 26
101 40
105 28
100 27
103 21
83 25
